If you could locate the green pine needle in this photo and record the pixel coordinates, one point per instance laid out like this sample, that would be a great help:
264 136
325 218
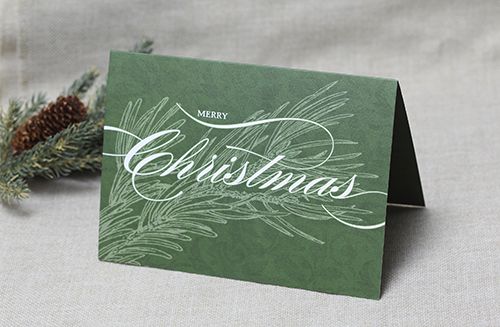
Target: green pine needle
76 148
9 121
96 103
81 85
13 188
144 46
33 106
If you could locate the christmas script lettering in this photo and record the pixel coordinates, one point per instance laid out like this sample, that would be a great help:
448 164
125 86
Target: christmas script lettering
187 166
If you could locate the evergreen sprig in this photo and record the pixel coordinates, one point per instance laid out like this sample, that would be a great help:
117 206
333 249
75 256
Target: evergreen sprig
81 85
13 187
9 121
76 148
144 46
33 105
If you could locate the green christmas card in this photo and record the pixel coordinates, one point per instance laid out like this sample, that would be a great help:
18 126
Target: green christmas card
263 174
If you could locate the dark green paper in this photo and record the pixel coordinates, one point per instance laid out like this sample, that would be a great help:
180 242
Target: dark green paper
330 241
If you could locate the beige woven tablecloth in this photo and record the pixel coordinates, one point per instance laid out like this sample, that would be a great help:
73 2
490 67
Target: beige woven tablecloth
441 264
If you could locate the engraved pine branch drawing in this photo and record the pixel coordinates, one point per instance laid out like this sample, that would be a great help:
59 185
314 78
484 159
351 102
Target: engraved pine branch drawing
191 196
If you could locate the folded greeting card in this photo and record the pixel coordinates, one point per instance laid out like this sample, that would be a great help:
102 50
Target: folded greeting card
263 174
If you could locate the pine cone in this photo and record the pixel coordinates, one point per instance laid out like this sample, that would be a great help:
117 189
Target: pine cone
51 120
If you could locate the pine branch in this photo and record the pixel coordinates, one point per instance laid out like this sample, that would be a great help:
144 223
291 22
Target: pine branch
144 46
96 103
81 85
13 188
9 121
32 106
77 148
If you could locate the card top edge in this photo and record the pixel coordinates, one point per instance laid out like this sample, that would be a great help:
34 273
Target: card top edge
127 53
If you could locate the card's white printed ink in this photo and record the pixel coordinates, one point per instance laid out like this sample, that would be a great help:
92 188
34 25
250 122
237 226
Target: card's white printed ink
209 170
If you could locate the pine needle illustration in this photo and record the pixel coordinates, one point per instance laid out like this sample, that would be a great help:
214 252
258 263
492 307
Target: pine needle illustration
159 229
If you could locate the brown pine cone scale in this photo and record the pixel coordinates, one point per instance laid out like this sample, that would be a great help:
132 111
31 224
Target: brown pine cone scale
52 119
